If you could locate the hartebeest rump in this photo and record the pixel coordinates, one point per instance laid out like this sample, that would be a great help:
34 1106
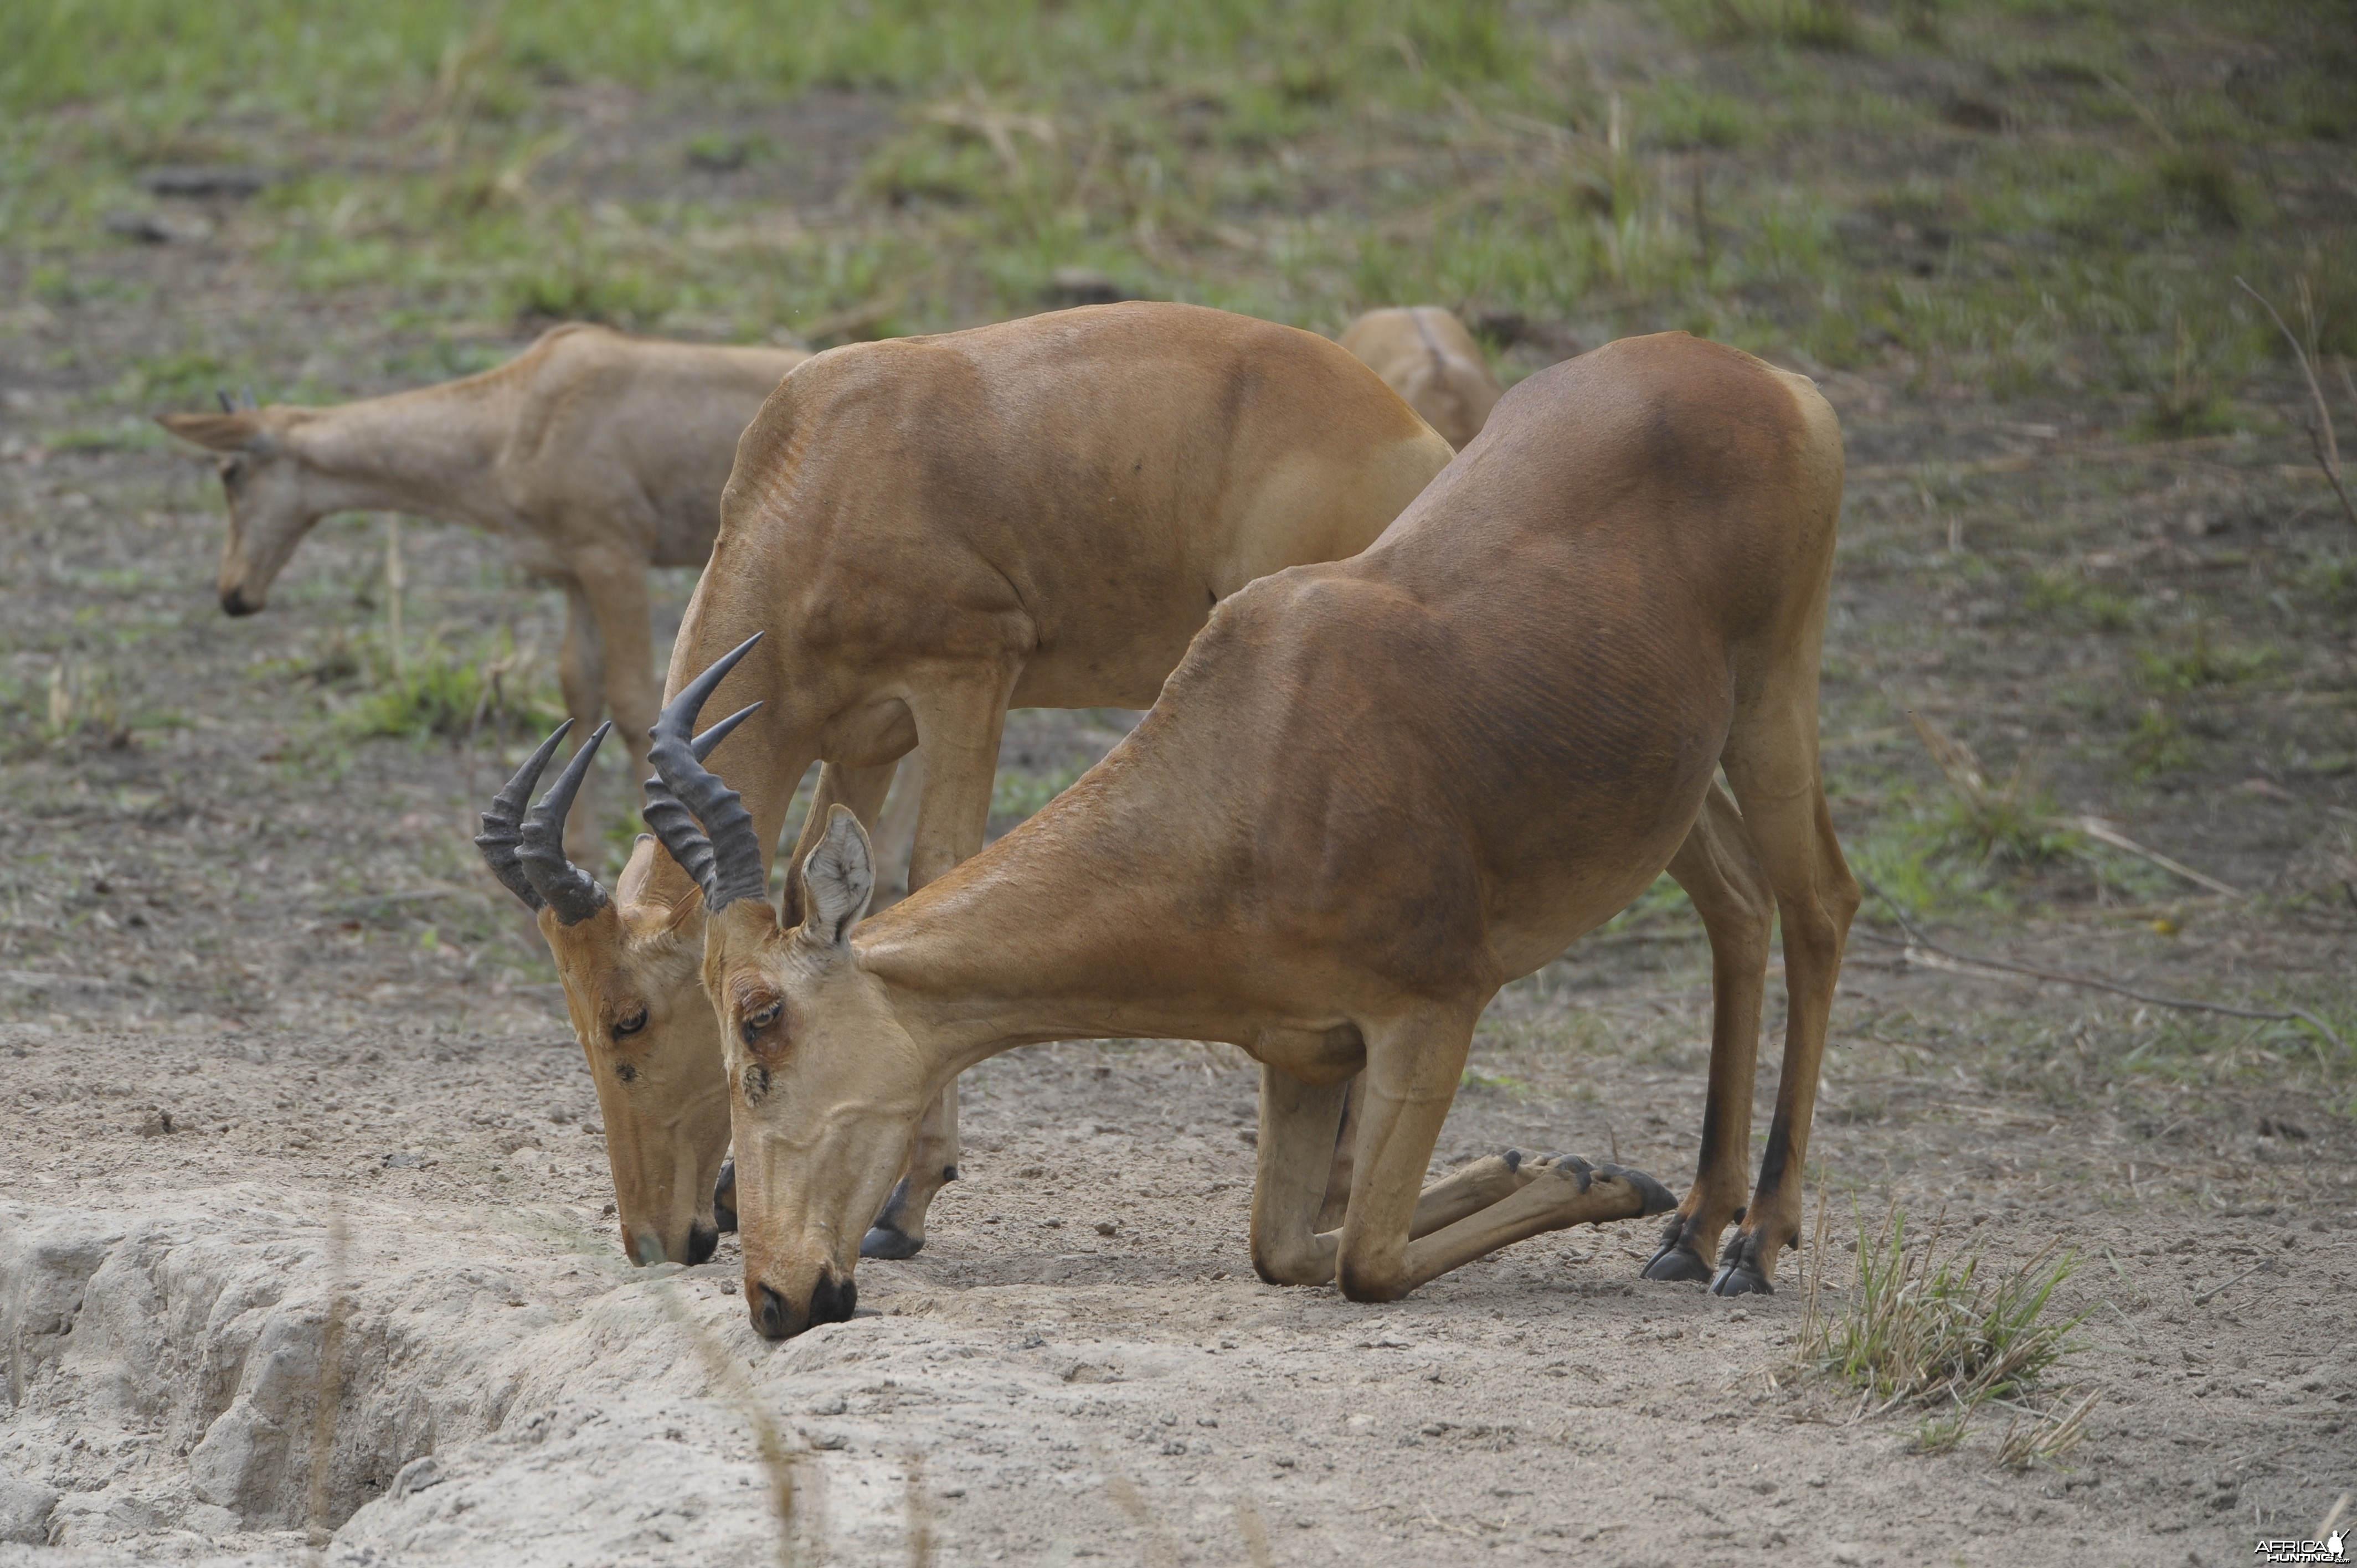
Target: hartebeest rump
1373 792
1424 354
930 530
595 455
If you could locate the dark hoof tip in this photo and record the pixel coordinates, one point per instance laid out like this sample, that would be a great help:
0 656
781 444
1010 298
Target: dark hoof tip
883 1241
1656 1197
1674 1262
1740 1278
1513 1159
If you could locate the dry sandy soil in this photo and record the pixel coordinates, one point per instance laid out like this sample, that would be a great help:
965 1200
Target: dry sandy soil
273 1045
280 1067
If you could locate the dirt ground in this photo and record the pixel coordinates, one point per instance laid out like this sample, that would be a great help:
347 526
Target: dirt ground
273 1041
304 1208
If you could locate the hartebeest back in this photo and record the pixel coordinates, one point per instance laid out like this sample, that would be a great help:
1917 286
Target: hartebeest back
1424 354
929 531
595 455
1373 792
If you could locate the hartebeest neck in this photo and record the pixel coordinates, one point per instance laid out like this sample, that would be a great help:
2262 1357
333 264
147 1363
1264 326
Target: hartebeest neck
1091 924
431 453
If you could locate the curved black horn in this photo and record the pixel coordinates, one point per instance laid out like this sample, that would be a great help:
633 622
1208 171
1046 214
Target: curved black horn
673 824
724 856
503 823
228 405
247 391
571 892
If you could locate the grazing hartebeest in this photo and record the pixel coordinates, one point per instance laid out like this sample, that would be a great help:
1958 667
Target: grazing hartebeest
1424 354
930 531
596 455
1374 791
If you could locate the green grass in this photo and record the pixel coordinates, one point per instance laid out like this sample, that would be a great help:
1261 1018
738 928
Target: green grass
1298 160
1948 1336
435 689
1016 795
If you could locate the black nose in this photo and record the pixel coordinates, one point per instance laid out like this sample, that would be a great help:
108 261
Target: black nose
724 1195
832 1299
701 1241
235 603
769 1314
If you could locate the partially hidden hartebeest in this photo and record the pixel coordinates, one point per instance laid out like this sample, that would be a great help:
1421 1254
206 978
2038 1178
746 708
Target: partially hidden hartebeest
930 531
1424 354
596 455
1373 792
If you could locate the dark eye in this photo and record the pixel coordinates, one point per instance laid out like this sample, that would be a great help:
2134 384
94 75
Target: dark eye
754 1023
631 1025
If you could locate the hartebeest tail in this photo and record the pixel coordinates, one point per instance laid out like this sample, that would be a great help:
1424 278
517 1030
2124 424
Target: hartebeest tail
1374 791
924 532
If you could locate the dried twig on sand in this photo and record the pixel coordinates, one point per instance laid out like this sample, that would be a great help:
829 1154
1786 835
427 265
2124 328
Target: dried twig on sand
1917 945
2319 428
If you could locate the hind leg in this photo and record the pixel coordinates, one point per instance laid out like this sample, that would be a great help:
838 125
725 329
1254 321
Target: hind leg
1720 872
1772 763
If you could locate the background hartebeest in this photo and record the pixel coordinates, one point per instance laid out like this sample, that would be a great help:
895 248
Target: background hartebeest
930 530
1424 354
595 454
1374 791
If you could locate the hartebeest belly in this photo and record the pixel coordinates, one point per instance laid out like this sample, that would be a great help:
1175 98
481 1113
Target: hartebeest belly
1374 791
924 532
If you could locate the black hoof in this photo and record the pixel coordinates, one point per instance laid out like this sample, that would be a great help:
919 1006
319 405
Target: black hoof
1739 1270
1677 1262
724 1196
1514 1158
1657 1197
883 1241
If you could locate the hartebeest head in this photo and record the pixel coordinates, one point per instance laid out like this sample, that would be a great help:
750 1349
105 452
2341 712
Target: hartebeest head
821 1135
274 497
629 964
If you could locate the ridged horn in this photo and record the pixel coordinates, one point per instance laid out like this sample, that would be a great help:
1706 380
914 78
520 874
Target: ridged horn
673 824
723 854
571 892
228 404
503 823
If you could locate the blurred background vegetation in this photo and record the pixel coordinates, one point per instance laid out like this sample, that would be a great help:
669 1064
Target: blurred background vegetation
2025 195
2083 533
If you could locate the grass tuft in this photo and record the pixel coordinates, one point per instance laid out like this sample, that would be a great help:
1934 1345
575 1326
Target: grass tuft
1942 1334
438 690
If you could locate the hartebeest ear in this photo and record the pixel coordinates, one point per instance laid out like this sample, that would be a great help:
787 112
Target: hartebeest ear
241 431
838 878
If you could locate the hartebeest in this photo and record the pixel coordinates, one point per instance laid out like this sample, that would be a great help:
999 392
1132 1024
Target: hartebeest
1424 354
595 454
930 531
1373 792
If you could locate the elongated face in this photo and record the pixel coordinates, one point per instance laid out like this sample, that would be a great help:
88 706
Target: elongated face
826 1087
268 510
635 994
631 985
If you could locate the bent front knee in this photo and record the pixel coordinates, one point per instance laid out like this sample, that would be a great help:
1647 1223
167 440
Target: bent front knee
1372 1279
1294 1263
